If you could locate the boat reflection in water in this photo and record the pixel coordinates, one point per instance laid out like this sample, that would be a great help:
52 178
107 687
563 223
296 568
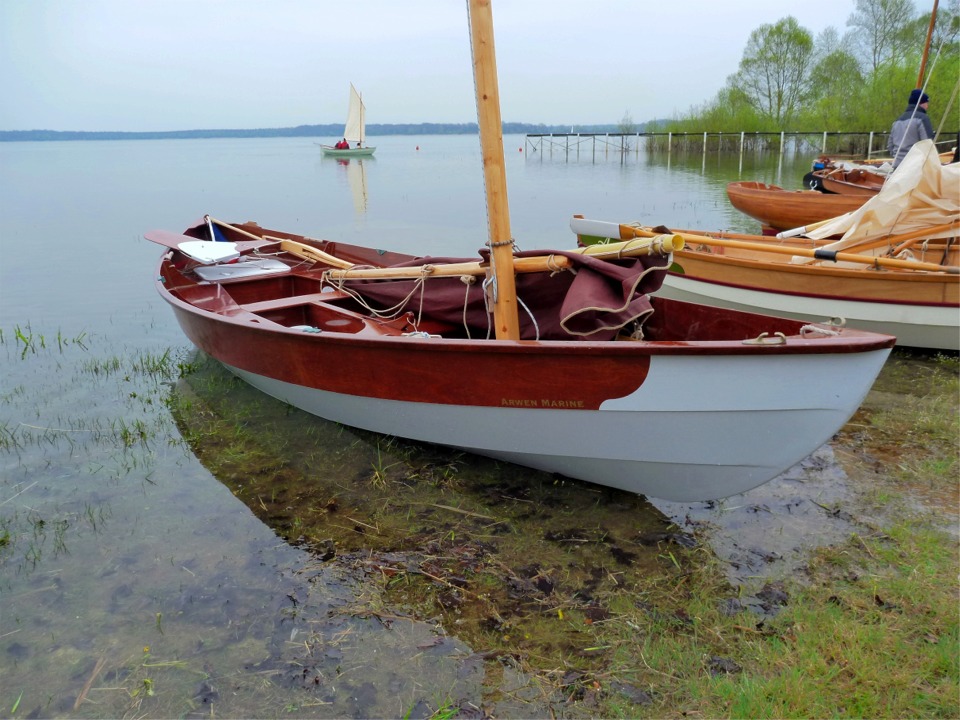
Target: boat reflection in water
357 181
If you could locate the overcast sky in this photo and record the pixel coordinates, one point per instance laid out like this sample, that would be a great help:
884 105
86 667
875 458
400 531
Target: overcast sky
202 64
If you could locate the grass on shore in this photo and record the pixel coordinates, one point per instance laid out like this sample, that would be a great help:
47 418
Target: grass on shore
870 628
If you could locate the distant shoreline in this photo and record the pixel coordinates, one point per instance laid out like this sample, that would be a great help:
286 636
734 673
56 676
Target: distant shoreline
321 131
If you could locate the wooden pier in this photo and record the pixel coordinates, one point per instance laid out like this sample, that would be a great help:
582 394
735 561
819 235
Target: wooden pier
605 144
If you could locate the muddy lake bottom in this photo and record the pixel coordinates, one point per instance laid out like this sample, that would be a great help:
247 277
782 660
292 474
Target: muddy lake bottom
360 575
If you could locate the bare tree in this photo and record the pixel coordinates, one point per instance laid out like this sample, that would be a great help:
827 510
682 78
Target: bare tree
626 126
882 31
828 41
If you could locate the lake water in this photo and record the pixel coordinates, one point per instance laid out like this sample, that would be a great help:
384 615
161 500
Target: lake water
133 582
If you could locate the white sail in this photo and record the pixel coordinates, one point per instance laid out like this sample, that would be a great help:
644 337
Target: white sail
355 129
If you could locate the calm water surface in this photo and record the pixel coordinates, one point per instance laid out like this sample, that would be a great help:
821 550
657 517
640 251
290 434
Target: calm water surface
120 554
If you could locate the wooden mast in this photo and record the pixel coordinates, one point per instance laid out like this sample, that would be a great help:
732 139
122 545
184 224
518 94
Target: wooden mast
926 47
503 282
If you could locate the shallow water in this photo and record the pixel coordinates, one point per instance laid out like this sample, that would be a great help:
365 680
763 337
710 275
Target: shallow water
136 581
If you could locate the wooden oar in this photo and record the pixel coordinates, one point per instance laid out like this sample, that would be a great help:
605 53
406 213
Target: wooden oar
233 227
308 252
898 242
657 244
916 240
175 240
797 232
598 227
892 240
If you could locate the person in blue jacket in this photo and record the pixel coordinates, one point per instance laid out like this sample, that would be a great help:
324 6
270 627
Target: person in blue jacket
911 127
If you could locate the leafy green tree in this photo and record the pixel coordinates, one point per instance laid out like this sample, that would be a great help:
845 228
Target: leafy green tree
834 88
841 87
773 69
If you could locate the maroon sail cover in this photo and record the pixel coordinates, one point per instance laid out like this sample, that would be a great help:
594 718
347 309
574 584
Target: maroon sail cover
592 302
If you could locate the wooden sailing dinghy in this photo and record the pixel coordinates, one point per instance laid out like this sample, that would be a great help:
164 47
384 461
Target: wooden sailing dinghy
859 181
779 209
896 268
559 361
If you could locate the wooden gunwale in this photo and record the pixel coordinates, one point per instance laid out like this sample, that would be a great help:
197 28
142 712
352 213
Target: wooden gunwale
200 322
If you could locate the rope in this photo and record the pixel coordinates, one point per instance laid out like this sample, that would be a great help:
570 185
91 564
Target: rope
491 280
811 329
532 318
467 280
552 266
389 313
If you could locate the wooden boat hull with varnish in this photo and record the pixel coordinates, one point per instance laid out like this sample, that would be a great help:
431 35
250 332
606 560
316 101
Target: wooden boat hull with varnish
922 309
781 209
858 183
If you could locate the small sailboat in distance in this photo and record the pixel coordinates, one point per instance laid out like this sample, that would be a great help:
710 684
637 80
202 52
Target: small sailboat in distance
354 132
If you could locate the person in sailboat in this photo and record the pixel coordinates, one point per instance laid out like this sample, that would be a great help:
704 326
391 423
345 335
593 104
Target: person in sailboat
911 127
342 144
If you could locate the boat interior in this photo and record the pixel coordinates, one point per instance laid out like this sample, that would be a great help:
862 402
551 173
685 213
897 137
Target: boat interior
304 299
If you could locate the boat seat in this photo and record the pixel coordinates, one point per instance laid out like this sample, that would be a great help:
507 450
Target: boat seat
293 300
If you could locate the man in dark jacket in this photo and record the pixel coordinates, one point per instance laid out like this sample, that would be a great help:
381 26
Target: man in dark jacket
911 127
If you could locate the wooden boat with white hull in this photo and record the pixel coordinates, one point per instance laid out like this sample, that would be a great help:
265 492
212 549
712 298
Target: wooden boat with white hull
615 411
559 361
895 268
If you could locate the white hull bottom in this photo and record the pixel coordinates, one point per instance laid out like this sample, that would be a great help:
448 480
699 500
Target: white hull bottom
700 427
913 325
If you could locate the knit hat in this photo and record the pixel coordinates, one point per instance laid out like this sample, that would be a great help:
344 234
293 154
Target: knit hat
918 97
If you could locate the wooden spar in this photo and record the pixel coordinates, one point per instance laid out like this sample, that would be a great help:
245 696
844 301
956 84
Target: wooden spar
600 228
504 287
656 245
926 47
821 254
891 240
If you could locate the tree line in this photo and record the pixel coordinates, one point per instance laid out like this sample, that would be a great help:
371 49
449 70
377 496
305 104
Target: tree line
858 81
317 131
